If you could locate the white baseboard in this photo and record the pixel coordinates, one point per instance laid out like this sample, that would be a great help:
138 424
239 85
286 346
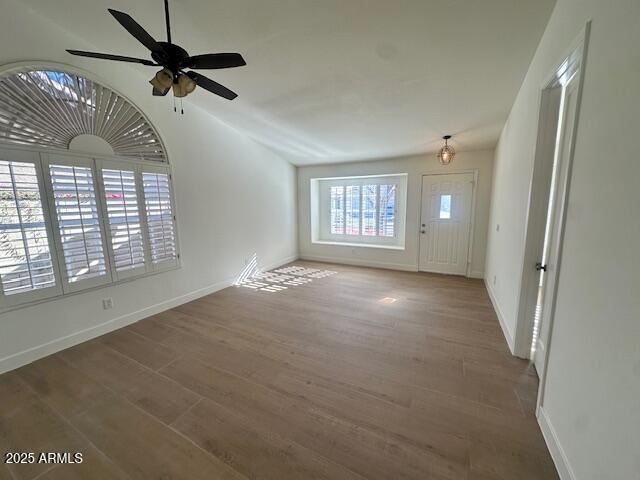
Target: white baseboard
496 306
565 472
476 274
281 262
19 359
360 262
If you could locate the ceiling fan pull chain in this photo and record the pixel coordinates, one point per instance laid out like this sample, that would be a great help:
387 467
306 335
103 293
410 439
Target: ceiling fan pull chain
181 108
174 104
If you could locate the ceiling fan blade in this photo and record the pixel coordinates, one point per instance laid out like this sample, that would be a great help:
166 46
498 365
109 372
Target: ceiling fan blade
136 30
107 56
213 87
215 60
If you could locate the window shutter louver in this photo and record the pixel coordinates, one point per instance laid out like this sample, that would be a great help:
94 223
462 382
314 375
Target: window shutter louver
26 263
160 222
369 194
337 210
78 222
352 210
124 218
387 211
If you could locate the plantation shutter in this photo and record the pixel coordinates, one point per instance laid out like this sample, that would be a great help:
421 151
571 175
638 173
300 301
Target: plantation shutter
160 217
369 193
367 210
27 266
352 209
78 224
127 242
387 211
336 196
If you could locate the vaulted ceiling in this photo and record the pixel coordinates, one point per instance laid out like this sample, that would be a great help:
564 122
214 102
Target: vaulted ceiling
340 80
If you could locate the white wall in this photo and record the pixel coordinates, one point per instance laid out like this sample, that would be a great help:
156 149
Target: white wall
233 197
591 412
415 166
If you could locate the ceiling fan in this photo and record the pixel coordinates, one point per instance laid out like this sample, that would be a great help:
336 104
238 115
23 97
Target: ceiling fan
174 60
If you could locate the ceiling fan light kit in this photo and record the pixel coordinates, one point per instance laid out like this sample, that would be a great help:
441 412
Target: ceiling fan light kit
447 152
174 59
184 86
162 80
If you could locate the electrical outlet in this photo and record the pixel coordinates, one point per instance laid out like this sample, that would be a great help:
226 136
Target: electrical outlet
494 279
107 303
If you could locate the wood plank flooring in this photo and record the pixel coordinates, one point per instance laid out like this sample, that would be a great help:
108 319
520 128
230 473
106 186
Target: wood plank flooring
364 374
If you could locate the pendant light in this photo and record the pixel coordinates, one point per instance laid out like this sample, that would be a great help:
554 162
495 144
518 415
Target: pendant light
446 153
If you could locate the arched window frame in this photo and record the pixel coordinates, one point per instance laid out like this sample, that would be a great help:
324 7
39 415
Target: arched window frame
155 222
113 117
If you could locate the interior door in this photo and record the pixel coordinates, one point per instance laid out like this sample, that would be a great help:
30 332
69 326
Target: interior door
445 223
548 265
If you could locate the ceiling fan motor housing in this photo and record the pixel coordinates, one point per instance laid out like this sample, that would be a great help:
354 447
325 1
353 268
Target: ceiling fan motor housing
171 56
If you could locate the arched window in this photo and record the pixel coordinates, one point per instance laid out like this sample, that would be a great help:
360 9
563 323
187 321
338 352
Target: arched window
85 188
48 107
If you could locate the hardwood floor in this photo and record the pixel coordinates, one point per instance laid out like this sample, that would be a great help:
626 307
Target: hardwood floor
364 374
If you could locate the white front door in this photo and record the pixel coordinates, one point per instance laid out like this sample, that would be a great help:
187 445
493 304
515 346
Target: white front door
445 223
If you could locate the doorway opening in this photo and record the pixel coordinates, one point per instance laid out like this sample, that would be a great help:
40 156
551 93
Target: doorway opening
543 264
557 126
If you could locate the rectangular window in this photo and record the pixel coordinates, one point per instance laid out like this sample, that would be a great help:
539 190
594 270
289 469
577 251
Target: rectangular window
69 223
78 221
359 210
157 198
26 263
445 206
125 228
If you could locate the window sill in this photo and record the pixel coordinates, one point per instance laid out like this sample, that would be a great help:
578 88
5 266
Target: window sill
365 245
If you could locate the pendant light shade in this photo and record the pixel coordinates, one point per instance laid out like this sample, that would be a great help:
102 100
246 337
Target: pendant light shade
184 86
446 153
162 80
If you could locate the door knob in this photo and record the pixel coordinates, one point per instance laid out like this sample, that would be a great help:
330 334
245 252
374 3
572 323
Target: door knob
540 266
423 231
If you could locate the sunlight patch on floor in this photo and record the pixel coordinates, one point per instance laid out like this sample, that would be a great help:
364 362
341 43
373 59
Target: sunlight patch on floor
278 279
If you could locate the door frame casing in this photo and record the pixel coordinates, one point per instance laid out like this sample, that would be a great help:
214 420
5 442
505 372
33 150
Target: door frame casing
472 220
579 49
576 52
